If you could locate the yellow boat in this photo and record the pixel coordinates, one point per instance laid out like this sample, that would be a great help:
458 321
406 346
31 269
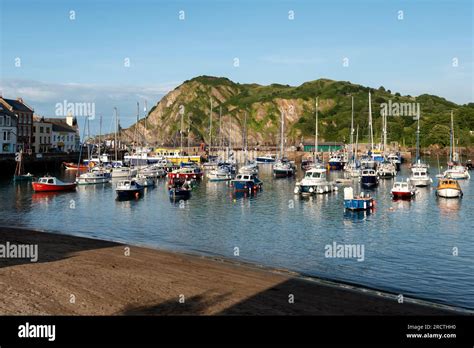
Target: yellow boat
448 188
175 156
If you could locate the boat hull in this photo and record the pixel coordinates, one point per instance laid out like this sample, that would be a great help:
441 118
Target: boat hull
449 193
185 176
129 194
359 204
74 166
421 182
282 173
402 194
245 186
38 187
369 181
176 193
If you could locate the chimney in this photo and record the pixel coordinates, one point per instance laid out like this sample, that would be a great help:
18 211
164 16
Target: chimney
20 99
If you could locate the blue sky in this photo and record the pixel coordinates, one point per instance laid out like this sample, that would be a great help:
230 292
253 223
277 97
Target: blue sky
82 60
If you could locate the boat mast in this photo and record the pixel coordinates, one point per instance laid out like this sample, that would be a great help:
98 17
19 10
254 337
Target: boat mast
220 128
181 133
245 138
352 127
282 134
418 141
100 134
357 144
384 122
316 131
370 124
189 131
210 129
116 130
146 117
452 155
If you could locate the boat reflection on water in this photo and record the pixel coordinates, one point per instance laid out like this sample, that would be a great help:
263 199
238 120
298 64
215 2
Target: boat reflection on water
357 216
47 197
449 207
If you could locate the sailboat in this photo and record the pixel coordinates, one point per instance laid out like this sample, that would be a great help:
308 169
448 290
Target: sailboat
20 169
283 167
368 161
455 169
419 170
352 167
386 169
95 175
249 167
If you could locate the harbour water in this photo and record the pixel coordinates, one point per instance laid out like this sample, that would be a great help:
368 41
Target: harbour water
422 248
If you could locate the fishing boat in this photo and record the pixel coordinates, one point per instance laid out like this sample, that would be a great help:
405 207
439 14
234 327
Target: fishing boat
386 170
20 169
266 159
246 183
94 177
179 188
188 170
419 175
448 188
403 190
369 178
222 173
128 189
314 181
51 183
368 161
336 162
357 203
352 167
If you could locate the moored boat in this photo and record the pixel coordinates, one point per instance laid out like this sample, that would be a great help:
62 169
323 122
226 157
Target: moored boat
403 190
448 188
93 177
75 166
268 158
283 168
419 175
357 203
179 188
128 189
336 162
386 170
246 183
219 174
369 178
51 183
314 181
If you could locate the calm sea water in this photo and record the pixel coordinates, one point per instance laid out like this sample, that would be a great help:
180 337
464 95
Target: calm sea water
408 245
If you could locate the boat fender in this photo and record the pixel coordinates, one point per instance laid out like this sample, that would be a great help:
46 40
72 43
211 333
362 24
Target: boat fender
137 194
296 190
311 190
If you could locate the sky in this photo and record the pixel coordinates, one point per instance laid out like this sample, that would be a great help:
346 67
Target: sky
117 53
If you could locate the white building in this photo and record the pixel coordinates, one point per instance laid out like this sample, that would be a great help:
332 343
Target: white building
8 130
42 135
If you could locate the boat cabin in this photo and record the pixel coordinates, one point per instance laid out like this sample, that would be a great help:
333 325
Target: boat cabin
368 172
47 180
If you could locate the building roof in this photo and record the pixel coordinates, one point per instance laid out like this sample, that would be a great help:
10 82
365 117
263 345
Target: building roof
18 105
62 127
330 143
5 111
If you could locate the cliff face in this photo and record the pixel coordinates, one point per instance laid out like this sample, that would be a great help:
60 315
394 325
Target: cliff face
190 104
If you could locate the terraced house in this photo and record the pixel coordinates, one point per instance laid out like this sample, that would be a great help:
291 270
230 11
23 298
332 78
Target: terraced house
8 130
24 114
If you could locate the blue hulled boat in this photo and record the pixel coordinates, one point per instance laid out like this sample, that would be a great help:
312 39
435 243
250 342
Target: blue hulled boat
357 203
369 178
246 183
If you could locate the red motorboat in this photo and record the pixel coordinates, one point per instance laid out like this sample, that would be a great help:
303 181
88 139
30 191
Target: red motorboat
50 184
186 173
75 166
403 190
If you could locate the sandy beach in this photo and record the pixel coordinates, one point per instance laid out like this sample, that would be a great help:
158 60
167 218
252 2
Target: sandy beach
80 276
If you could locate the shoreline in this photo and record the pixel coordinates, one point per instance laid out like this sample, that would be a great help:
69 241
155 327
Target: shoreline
83 276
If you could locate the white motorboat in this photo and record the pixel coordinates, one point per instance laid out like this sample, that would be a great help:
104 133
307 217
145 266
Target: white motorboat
386 170
403 190
144 180
457 172
94 177
419 175
219 174
315 181
123 172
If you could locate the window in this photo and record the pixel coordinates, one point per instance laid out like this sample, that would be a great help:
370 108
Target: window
8 123
48 130
34 129
1 121
54 137
41 130
41 139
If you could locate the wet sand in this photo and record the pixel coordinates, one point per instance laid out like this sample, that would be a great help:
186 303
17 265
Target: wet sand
81 276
